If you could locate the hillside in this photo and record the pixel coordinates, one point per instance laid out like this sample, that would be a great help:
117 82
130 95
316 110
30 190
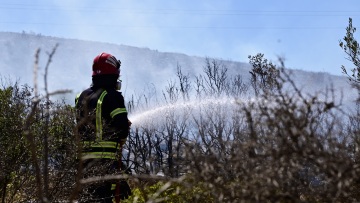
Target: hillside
141 67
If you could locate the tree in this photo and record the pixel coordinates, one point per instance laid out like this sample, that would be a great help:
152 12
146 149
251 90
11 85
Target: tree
216 77
37 141
352 49
14 156
264 74
17 171
283 146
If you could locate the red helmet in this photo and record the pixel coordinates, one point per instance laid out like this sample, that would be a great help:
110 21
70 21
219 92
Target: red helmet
106 64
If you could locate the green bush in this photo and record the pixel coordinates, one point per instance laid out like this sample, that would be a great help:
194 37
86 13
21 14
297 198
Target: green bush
170 192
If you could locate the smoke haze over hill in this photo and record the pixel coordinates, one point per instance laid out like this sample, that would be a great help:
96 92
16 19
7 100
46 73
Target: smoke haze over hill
142 68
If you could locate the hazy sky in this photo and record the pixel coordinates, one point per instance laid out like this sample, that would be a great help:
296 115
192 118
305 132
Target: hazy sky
306 33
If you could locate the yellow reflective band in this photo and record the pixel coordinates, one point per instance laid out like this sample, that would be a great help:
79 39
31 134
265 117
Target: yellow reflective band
102 144
117 111
77 99
98 116
98 155
113 186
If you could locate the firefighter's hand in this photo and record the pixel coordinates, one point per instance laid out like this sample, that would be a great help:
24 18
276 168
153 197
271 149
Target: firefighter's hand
129 123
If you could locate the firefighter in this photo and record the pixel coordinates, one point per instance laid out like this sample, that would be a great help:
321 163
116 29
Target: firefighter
103 127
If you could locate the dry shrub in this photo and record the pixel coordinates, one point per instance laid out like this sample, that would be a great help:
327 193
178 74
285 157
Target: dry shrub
287 148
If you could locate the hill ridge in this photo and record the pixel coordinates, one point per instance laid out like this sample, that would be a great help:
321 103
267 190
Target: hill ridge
141 67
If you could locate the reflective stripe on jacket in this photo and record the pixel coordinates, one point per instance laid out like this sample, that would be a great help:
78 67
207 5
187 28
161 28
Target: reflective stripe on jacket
100 148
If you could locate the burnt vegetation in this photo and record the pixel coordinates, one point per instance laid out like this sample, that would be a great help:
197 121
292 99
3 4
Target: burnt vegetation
213 137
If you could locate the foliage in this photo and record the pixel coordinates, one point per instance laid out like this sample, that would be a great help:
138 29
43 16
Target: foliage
14 156
264 74
279 146
352 49
17 175
170 192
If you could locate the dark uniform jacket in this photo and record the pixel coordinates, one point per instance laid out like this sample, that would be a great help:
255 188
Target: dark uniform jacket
102 120
103 127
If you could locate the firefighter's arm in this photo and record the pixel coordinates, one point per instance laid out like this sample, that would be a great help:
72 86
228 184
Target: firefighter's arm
123 140
118 115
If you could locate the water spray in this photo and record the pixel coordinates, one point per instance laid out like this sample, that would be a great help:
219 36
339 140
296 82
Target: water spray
157 114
